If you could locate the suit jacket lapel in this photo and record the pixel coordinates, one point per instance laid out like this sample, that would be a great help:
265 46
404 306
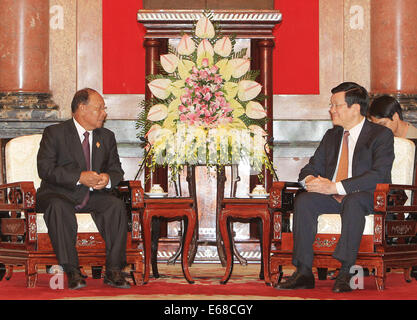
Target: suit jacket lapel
96 151
334 151
74 144
362 140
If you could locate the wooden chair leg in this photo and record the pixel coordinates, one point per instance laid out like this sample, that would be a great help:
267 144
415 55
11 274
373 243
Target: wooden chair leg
9 272
2 271
380 274
136 272
96 272
177 253
260 232
31 275
322 273
83 273
156 225
189 224
237 254
227 246
407 274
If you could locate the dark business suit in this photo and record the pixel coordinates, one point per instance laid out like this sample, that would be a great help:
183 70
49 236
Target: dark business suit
371 164
60 163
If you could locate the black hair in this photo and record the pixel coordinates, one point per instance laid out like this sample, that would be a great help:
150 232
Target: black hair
354 93
385 107
81 97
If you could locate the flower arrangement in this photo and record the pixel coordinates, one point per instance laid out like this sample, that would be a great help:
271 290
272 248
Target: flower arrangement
207 106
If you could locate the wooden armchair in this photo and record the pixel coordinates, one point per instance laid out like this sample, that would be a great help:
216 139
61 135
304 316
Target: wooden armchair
24 238
387 241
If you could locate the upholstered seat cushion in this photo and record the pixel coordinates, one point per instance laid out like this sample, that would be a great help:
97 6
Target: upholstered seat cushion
331 224
402 173
84 220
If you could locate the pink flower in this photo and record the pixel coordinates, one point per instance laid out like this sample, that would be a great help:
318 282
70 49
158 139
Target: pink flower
214 69
182 108
205 62
207 96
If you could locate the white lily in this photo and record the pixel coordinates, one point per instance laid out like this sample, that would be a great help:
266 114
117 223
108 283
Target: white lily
204 28
255 110
223 47
169 62
205 46
248 90
257 130
157 112
160 88
240 67
153 133
186 45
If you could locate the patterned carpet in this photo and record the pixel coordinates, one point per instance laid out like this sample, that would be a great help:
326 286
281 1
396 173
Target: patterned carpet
244 284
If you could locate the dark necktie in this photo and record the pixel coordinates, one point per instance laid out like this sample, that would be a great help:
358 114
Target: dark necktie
86 150
343 168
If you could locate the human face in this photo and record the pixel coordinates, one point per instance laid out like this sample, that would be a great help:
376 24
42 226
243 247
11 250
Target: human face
386 122
94 113
341 114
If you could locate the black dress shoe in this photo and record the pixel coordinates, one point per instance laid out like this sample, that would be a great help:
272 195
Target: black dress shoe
297 281
115 278
342 283
75 280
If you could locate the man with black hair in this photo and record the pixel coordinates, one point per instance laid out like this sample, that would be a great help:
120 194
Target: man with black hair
340 177
79 164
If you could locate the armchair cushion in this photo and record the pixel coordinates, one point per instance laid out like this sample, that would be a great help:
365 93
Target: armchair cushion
20 158
84 221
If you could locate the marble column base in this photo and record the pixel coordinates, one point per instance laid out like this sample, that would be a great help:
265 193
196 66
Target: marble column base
27 106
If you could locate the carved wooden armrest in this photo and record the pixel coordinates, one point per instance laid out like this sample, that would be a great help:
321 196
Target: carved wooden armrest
281 202
17 196
133 191
133 195
391 198
281 194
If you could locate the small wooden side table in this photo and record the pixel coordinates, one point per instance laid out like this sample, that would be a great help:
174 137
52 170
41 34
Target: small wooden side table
245 208
169 208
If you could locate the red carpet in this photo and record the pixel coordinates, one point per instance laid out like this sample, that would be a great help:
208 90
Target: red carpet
243 285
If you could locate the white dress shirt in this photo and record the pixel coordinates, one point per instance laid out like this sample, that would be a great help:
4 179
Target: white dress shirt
81 132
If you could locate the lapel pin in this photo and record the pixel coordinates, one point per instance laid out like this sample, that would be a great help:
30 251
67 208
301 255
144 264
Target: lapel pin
98 144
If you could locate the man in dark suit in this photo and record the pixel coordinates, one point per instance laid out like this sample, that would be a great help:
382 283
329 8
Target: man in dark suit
79 164
340 177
